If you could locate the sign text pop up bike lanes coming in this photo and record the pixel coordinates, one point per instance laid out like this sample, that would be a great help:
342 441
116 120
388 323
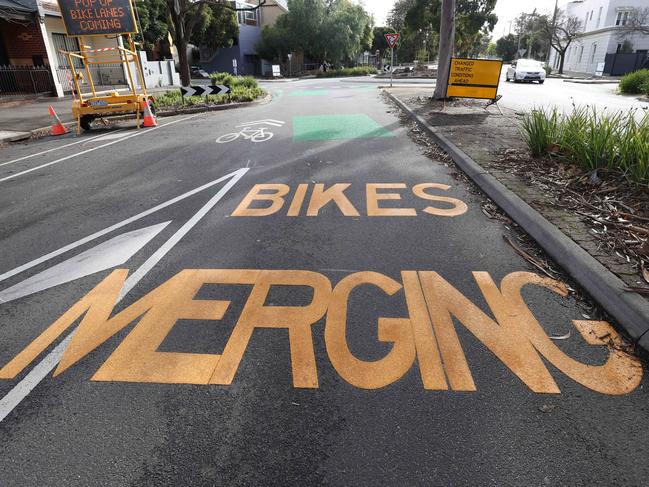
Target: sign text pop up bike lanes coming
98 17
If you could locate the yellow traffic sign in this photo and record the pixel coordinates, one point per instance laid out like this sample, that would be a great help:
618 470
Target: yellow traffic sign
474 78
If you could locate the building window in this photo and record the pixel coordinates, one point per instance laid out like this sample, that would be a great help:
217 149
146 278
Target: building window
65 43
622 17
248 17
581 53
591 15
251 17
599 17
592 53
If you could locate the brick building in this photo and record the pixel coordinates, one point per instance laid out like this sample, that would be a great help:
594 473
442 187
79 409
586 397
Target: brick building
31 34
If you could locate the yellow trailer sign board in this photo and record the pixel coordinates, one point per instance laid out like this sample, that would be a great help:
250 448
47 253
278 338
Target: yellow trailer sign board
474 78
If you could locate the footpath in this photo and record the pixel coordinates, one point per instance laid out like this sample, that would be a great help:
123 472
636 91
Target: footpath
18 118
607 217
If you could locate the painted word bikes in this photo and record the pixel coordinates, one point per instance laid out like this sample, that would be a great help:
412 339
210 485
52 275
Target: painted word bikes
426 335
382 199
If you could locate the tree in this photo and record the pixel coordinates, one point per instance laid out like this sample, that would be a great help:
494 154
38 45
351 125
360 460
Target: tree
154 20
474 19
491 50
446 48
188 15
410 41
324 30
216 25
217 28
562 31
636 22
533 36
506 47
379 42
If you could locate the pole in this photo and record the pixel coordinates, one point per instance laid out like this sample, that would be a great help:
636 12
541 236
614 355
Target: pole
554 26
392 67
446 48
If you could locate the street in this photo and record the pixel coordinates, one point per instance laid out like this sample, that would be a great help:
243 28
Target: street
293 293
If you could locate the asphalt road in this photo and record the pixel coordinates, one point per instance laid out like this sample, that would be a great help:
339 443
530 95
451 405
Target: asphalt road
559 93
251 343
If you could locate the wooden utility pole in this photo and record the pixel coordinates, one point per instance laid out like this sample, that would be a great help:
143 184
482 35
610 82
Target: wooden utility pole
446 47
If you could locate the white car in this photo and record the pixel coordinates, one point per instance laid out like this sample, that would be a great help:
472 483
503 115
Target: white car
526 70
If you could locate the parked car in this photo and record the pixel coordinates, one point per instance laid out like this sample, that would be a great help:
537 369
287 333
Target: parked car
526 70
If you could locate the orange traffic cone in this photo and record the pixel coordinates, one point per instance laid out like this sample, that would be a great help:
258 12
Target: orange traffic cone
57 127
149 119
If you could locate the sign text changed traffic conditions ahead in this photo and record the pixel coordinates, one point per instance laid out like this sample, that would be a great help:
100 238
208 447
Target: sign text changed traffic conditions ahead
97 17
474 78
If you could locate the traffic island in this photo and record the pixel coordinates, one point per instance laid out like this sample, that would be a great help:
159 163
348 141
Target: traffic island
572 228
169 111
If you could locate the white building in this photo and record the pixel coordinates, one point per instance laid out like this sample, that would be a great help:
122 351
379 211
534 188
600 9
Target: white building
602 21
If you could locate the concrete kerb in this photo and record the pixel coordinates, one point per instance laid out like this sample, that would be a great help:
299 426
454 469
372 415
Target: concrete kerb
169 113
628 309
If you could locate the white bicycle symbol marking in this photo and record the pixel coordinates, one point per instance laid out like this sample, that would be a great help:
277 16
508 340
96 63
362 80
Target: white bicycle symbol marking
251 133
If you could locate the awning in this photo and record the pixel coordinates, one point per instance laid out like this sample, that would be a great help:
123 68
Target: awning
12 10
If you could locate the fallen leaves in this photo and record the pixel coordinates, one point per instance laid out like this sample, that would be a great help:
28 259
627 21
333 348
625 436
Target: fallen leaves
615 209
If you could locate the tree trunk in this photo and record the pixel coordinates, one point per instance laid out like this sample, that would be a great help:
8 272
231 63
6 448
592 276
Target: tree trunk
446 47
183 63
562 55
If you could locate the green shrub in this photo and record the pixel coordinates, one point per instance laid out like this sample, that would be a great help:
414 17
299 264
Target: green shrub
592 139
245 81
336 73
239 93
233 81
548 70
635 83
540 130
222 79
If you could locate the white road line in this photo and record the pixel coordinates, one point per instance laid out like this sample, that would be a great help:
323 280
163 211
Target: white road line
111 253
106 230
21 390
57 148
62 159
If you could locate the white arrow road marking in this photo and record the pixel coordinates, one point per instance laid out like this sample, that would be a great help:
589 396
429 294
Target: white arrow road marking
49 362
106 255
116 226
142 132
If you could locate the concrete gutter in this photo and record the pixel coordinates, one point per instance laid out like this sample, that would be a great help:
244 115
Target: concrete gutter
628 309
593 81
13 136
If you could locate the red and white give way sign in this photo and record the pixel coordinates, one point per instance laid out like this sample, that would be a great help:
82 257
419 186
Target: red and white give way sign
392 39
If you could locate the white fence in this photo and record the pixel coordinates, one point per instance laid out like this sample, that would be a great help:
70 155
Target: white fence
156 74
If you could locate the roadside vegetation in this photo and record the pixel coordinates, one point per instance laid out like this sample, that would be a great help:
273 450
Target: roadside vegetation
591 139
242 89
337 73
635 83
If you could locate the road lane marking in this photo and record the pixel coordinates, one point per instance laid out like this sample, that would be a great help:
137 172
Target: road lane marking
57 148
426 335
116 226
62 159
116 251
49 362
336 127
